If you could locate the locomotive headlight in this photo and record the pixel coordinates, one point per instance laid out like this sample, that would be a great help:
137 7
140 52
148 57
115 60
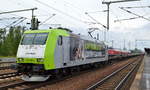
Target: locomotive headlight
40 60
20 59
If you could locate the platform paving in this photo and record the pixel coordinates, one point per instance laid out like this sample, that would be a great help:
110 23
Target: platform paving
142 79
136 83
145 80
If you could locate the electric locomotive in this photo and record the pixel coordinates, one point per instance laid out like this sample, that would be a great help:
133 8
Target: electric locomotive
42 53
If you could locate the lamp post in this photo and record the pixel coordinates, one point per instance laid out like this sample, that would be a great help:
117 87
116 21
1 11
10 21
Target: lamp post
22 10
108 5
108 9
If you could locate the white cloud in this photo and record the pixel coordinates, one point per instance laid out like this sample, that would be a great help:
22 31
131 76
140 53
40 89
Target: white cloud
119 31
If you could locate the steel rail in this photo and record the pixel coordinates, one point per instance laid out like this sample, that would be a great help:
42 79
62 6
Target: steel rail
93 87
1 62
121 83
12 85
7 75
5 67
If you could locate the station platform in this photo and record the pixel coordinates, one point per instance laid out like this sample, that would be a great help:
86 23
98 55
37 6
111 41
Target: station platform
142 79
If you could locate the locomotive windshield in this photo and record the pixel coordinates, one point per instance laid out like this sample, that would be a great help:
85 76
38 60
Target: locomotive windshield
34 39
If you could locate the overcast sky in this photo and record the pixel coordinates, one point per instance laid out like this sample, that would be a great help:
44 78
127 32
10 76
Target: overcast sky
71 14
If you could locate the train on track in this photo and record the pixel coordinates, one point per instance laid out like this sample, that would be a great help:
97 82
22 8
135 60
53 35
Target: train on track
113 52
45 53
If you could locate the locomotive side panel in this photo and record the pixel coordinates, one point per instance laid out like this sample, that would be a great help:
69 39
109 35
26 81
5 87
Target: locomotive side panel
62 54
87 51
76 51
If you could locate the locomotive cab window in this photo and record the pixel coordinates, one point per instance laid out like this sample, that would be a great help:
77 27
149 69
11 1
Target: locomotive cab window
34 39
60 40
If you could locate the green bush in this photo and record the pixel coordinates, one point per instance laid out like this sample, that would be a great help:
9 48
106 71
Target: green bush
9 40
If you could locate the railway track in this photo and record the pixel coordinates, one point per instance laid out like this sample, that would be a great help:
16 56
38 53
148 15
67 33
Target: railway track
82 81
65 83
23 85
117 79
7 71
8 75
6 65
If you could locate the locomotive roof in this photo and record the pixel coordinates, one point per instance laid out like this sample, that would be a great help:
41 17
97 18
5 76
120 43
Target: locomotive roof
88 38
40 31
71 34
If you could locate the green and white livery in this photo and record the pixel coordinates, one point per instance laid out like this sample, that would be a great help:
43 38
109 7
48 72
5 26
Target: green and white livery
43 53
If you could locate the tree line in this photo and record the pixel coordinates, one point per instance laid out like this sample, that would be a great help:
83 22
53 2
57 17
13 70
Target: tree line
9 40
